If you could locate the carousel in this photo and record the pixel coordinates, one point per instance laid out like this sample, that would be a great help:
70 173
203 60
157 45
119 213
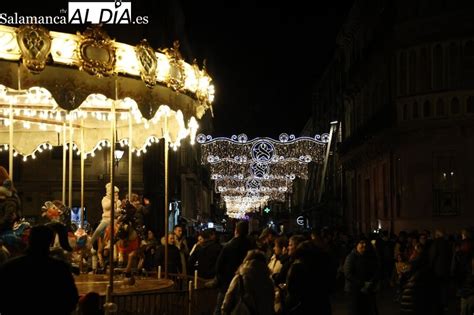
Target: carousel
86 92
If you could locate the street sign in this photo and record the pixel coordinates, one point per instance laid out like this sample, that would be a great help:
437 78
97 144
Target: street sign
300 220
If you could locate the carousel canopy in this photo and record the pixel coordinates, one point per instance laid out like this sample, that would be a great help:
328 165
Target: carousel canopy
79 81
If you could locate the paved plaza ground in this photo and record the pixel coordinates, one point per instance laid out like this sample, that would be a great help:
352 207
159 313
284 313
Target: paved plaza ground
385 303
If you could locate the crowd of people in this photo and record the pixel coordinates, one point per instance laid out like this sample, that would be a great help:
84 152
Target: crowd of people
268 273
258 273
297 274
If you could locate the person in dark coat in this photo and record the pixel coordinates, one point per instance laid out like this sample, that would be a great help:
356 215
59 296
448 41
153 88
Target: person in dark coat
203 259
287 261
463 272
310 280
174 256
418 295
361 273
440 260
36 283
230 258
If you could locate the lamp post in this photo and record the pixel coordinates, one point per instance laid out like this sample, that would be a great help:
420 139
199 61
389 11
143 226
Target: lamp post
118 153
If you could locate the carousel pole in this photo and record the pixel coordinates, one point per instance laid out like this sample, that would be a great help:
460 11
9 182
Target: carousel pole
10 146
82 173
70 162
64 165
10 129
130 155
166 147
326 158
110 288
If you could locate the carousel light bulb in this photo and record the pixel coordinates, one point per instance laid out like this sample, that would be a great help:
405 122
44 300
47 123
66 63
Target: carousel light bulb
93 154
24 159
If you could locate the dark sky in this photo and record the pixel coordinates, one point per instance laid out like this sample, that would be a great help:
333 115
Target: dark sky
263 58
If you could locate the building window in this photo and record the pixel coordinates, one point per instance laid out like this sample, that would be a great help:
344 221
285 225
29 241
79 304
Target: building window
427 109
415 113
402 82
453 65
398 180
470 105
440 107
446 195
455 106
438 67
385 191
468 64
425 71
375 192
412 72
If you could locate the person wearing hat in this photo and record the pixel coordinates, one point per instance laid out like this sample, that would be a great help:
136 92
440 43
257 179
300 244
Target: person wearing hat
107 210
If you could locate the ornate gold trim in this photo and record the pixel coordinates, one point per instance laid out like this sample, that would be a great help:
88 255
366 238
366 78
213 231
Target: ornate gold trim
148 63
97 52
35 45
177 73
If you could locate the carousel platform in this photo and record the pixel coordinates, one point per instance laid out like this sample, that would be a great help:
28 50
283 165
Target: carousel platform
122 286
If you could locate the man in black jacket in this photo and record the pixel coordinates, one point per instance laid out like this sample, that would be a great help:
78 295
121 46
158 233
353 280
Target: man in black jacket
37 283
203 259
230 259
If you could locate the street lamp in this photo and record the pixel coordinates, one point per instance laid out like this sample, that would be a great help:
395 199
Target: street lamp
118 153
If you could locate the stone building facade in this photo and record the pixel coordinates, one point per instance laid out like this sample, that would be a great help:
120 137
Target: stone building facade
401 82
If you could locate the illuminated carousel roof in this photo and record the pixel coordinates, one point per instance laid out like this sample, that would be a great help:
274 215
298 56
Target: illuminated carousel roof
75 80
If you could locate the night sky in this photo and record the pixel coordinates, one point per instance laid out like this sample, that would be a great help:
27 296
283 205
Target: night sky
263 58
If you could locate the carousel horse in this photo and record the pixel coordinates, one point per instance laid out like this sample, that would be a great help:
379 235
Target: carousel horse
57 217
16 239
126 238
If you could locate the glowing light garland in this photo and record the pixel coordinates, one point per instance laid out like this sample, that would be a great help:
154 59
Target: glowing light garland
249 173
240 150
254 185
37 119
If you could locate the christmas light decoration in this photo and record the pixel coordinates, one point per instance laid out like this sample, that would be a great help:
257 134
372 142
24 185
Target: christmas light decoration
249 173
